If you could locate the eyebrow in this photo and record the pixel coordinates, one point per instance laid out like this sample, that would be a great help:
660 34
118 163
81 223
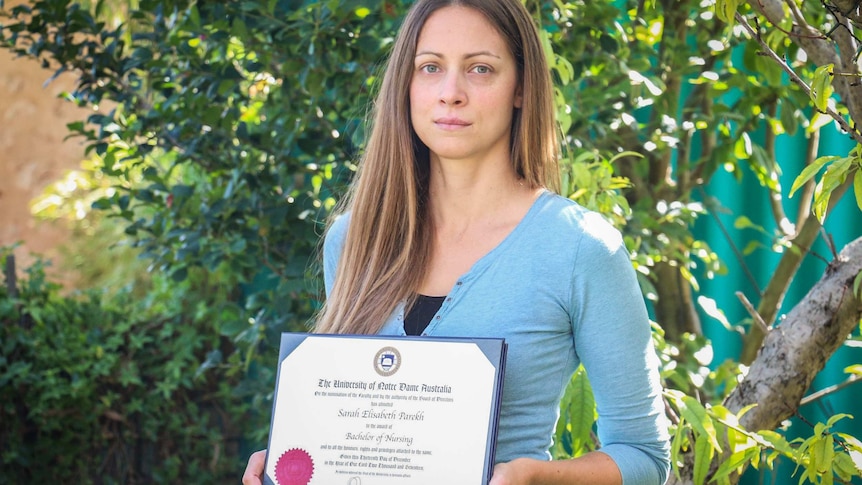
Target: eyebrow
467 56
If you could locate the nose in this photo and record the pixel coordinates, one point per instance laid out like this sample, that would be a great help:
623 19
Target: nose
452 90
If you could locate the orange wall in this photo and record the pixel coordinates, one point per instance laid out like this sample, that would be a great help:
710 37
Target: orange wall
33 154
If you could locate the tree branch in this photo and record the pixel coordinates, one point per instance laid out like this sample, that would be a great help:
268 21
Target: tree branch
797 349
830 390
820 54
773 294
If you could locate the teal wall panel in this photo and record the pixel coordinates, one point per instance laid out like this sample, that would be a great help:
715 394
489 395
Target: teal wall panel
843 225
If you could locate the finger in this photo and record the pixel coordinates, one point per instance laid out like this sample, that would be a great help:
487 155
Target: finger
254 470
495 477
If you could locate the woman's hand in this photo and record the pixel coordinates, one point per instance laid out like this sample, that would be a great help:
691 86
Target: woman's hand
595 468
514 472
254 470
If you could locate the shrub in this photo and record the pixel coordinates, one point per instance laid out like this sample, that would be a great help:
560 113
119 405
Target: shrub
116 389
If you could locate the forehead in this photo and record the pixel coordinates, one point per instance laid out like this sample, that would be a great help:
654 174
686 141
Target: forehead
457 28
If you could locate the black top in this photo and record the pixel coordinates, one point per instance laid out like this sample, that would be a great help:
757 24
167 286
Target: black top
420 315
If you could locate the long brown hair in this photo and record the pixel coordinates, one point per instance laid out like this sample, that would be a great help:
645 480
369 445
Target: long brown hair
388 241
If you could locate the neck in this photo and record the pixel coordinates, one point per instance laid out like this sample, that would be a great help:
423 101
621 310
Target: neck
471 194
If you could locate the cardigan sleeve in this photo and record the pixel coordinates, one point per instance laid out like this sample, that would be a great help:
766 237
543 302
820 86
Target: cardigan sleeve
613 341
333 243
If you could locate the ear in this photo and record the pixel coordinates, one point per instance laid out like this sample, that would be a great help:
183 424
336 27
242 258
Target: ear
519 97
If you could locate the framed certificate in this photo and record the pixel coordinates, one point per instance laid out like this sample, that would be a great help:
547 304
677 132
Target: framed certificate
375 410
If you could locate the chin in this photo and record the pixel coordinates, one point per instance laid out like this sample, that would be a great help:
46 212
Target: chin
450 152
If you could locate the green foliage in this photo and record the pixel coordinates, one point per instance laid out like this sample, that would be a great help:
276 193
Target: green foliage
821 86
228 130
688 367
822 458
590 181
709 440
677 84
574 434
837 172
618 115
112 389
726 10
224 132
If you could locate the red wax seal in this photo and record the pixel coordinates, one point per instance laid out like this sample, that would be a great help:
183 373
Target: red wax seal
294 467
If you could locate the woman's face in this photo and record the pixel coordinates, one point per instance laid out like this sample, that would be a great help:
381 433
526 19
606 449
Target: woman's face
464 87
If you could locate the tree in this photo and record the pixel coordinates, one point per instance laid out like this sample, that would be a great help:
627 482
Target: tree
695 109
233 127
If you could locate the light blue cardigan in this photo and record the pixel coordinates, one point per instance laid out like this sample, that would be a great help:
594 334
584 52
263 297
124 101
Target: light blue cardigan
561 290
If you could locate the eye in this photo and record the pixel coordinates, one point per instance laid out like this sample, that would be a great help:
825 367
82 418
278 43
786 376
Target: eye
430 68
482 70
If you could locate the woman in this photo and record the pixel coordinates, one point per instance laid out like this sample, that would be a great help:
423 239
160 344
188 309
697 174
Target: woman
452 228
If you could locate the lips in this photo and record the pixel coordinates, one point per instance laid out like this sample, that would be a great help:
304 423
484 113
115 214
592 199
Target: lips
451 123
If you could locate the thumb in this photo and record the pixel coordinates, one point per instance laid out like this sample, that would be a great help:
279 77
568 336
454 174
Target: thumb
254 470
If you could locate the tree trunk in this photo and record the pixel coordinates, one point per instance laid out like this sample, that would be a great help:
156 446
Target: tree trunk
675 308
797 349
773 294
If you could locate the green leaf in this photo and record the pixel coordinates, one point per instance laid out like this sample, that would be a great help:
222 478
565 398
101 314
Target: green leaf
194 16
857 286
102 204
821 202
837 172
180 274
742 149
583 409
809 172
751 247
703 453
726 10
608 44
765 168
843 467
677 445
814 459
827 476
772 72
857 187
821 86
579 407
777 441
362 12
835 418
694 412
832 178
734 462
818 121
547 46
181 191
625 154
743 222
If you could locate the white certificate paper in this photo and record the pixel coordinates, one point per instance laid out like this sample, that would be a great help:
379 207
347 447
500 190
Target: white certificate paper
370 410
